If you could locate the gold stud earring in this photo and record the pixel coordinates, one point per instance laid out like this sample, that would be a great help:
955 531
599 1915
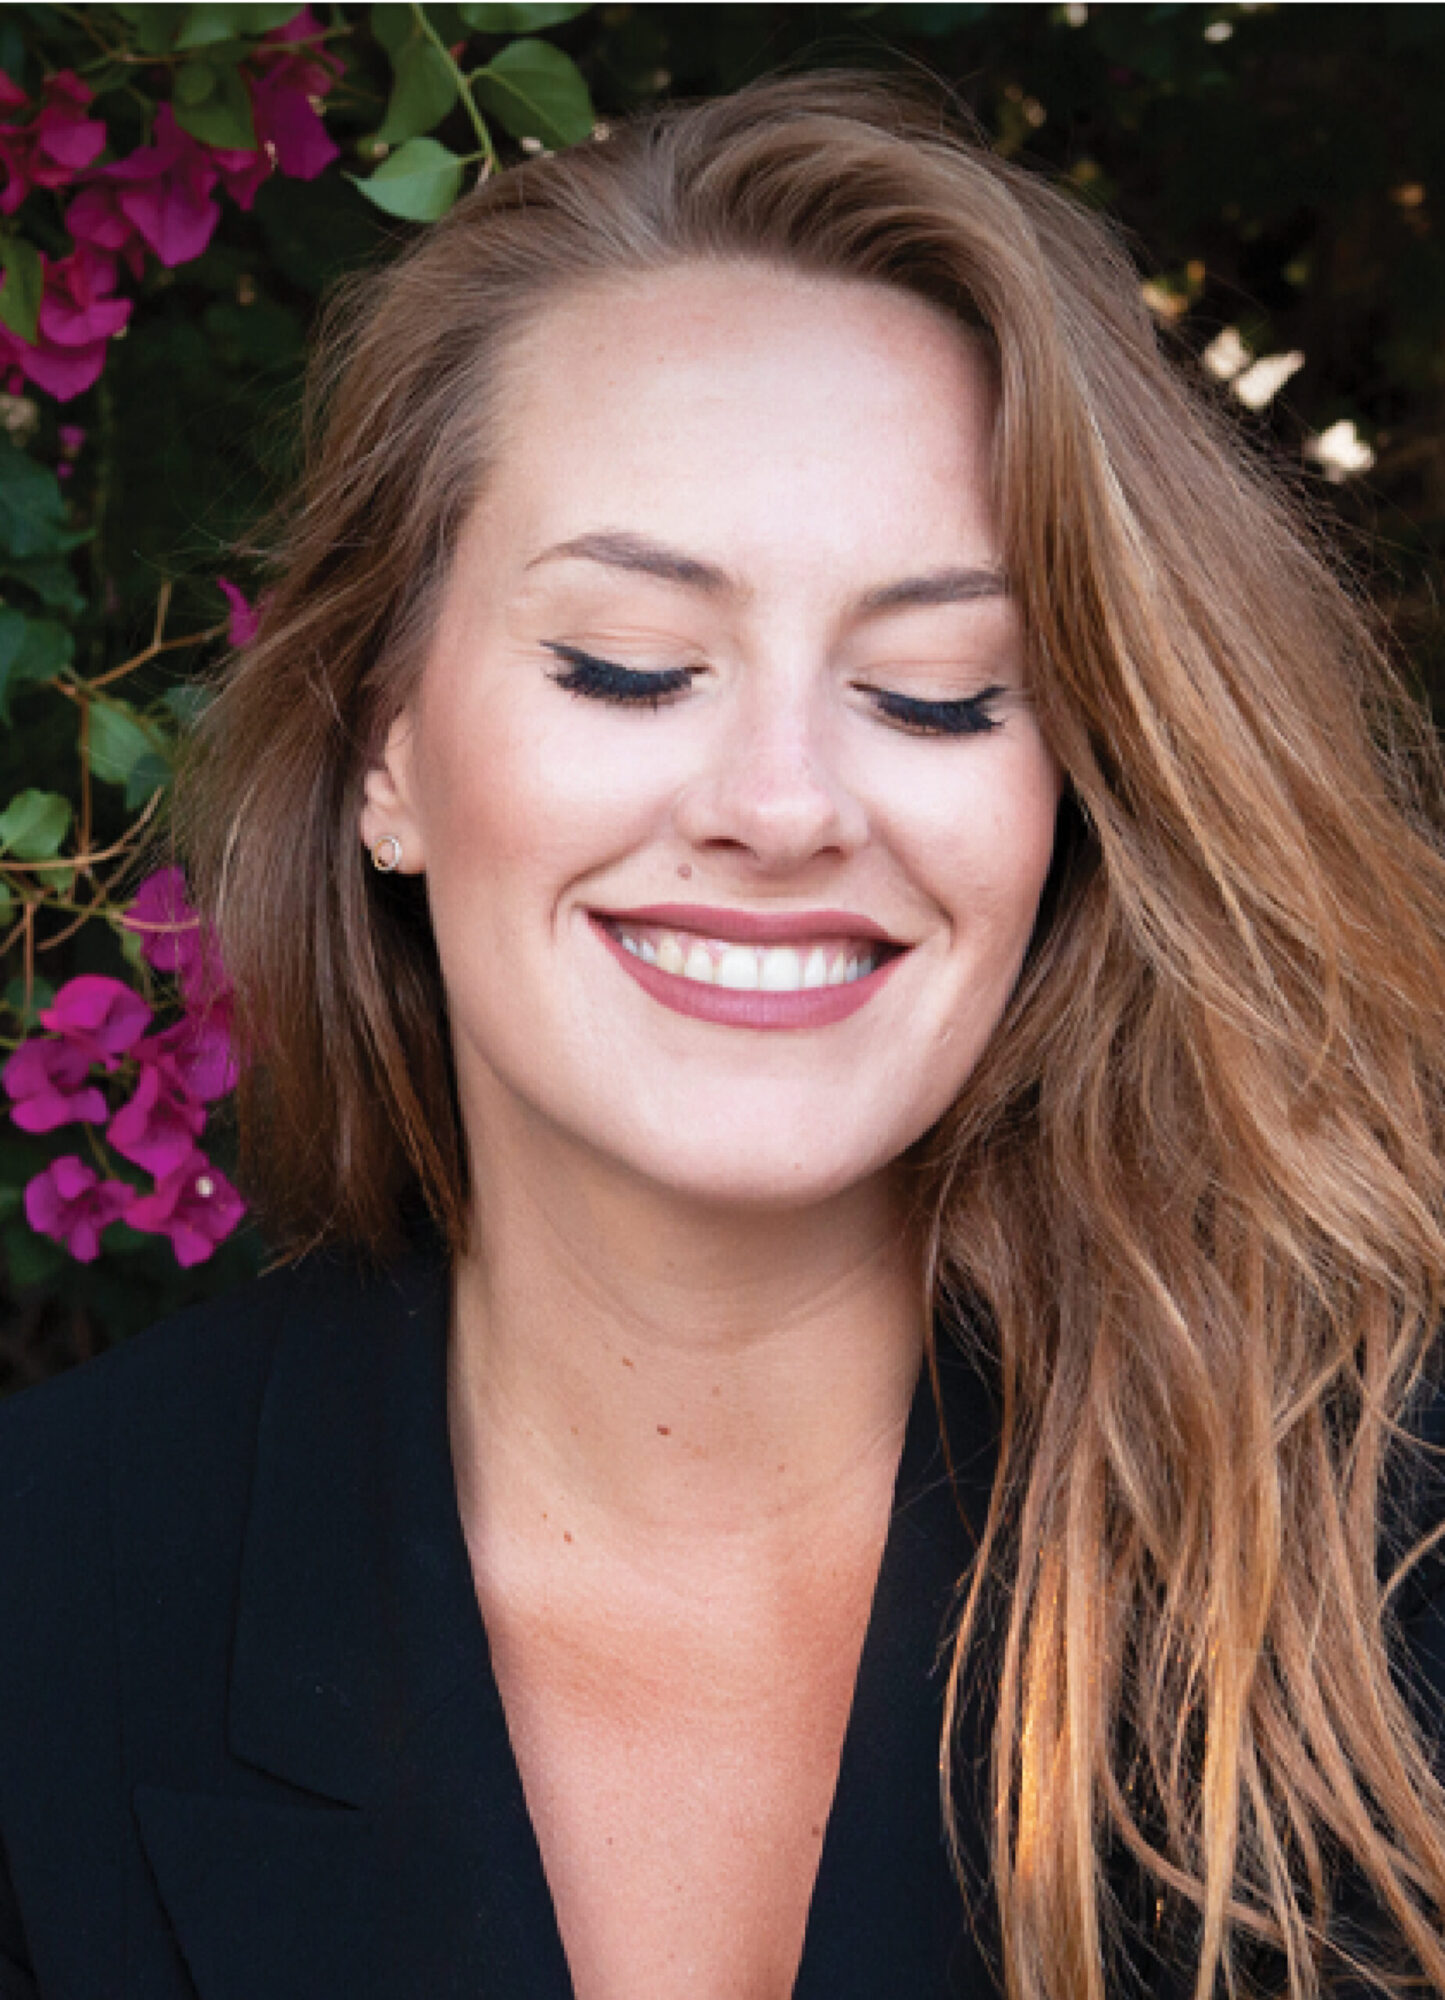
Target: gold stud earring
386 854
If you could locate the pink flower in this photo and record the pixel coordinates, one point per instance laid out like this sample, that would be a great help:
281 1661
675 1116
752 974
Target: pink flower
287 123
241 172
96 217
158 1126
48 1082
176 941
245 617
195 1053
71 1204
57 144
165 191
77 318
195 1206
102 1017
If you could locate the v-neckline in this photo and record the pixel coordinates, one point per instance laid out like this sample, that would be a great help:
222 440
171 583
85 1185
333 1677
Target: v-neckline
885 1914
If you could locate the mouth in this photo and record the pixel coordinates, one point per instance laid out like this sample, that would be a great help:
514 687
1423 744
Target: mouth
804 970
800 966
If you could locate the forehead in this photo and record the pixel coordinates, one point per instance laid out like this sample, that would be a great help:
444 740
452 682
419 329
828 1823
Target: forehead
743 403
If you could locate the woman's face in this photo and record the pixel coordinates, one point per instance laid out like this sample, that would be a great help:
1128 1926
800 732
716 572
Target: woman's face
773 492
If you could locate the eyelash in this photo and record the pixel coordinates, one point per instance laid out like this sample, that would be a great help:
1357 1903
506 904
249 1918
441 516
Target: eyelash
603 680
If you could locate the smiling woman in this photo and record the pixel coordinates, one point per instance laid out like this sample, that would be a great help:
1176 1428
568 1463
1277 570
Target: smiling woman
843 974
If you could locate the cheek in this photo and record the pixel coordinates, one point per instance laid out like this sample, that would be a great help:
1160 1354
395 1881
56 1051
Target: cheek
985 837
517 802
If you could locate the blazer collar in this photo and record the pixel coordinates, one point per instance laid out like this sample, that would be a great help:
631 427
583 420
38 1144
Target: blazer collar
399 1856
357 1613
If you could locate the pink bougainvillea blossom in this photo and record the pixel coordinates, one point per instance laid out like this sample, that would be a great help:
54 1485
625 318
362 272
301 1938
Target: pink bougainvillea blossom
165 191
58 143
245 618
176 941
96 217
196 1207
48 1082
103 1017
158 1127
287 78
70 1203
241 172
78 316
196 1054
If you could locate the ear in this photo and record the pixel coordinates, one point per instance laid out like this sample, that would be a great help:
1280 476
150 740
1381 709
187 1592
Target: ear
390 795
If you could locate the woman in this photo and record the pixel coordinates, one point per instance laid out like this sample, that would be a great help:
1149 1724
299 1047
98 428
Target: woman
848 1004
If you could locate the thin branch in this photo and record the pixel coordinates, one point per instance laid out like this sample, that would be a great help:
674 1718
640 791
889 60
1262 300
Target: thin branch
101 854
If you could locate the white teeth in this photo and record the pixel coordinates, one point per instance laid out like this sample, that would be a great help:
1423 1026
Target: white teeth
780 971
737 967
749 968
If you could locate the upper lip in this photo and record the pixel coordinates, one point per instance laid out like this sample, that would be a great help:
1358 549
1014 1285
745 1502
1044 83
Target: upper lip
752 926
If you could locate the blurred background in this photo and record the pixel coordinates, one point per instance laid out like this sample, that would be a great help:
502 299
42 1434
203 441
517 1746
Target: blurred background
182 184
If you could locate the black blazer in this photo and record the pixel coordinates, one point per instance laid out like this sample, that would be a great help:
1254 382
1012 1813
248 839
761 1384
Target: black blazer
250 1743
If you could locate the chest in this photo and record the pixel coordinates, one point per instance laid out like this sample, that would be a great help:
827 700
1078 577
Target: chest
679 1765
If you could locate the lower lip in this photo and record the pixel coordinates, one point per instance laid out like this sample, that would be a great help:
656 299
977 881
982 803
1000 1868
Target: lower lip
815 1007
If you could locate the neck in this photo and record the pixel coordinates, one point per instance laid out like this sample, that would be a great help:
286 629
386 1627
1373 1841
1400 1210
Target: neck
665 1371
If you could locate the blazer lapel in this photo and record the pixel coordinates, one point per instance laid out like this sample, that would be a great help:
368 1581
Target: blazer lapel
395 1855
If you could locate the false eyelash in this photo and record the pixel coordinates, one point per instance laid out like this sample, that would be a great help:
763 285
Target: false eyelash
968 716
604 680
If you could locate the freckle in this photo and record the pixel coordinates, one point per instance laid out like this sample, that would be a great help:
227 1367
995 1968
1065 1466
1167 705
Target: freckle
566 1535
717 1388
817 1833
664 1431
626 1363
574 1430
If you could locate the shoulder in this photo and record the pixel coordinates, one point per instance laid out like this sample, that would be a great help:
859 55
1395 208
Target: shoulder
160 1429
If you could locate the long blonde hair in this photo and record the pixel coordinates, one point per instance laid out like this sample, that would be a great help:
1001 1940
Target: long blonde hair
1195 1183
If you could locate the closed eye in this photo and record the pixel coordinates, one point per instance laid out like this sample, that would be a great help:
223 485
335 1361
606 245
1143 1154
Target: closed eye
968 715
603 680
596 679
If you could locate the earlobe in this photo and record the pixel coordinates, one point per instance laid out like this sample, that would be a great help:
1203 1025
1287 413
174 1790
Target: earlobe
388 824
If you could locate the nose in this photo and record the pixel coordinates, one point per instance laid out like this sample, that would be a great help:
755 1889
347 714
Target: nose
770 785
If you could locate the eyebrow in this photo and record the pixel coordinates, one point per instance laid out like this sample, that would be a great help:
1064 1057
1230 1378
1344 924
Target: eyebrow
962 584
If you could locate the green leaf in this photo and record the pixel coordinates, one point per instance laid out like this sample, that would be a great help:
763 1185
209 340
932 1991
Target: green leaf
32 509
393 27
203 25
42 993
188 701
148 775
52 581
222 117
154 26
33 825
24 282
119 741
419 181
195 81
537 92
516 20
424 91
31 649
